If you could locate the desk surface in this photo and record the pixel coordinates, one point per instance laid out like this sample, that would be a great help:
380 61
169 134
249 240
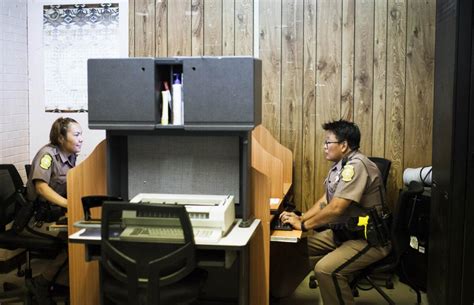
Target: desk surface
237 237
292 236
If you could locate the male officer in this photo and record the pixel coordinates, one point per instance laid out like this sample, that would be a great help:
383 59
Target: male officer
353 186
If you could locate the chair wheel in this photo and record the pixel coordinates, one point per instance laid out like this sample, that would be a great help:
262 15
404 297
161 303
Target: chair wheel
355 292
20 273
389 284
313 284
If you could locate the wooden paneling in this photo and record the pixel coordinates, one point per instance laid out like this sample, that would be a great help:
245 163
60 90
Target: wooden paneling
395 105
419 86
292 80
161 36
309 105
370 61
244 27
144 26
228 27
270 53
380 75
363 72
197 20
213 27
131 28
328 78
347 69
179 28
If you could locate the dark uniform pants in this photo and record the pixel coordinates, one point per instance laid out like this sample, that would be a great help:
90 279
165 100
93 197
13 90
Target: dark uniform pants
335 265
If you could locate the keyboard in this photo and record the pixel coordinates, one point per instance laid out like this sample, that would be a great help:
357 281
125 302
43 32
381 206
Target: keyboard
279 225
168 234
203 236
153 234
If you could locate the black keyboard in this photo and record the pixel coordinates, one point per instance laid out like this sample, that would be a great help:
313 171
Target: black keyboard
278 225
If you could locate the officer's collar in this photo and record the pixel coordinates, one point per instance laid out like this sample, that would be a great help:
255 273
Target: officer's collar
349 157
64 158
340 164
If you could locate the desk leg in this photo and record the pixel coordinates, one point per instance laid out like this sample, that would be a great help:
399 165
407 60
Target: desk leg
244 276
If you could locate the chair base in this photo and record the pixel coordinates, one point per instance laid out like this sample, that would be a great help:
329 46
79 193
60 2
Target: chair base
380 291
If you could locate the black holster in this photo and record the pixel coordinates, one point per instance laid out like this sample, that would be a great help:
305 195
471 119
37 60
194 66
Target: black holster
342 233
47 212
377 232
378 229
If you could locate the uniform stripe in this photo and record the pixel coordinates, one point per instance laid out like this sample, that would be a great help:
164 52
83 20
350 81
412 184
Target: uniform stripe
349 261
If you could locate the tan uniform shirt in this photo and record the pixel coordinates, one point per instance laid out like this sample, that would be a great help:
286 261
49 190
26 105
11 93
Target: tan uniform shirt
51 166
358 180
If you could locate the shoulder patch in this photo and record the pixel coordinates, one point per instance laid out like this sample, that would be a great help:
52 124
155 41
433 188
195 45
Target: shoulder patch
347 173
46 161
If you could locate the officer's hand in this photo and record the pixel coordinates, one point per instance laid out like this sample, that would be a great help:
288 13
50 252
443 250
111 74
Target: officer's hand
293 220
285 215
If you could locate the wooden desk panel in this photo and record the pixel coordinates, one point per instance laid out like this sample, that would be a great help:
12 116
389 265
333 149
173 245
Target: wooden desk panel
269 166
88 178
260 244
273 147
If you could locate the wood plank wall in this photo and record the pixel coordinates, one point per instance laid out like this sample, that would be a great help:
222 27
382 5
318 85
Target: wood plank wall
369 61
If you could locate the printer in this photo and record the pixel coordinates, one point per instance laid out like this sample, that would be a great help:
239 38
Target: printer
208 212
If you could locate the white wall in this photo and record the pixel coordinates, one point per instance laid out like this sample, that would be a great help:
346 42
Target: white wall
40 121
14 84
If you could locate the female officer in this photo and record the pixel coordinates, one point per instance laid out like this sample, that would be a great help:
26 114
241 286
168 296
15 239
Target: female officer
47 185
47 178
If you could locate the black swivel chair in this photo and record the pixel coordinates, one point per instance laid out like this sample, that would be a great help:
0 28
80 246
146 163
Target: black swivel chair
27 169
136 270
384 167
400 239
12 223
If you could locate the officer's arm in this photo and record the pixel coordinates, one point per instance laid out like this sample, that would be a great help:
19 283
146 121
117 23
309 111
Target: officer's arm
331 212
45 191
318 206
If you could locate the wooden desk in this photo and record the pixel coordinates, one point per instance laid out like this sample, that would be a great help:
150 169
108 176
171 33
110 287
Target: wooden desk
270 178
236 240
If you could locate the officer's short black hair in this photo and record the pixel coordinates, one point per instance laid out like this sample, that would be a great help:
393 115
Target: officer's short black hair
345 131
58 132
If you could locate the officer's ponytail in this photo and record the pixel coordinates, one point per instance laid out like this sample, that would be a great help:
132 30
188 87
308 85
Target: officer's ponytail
58 132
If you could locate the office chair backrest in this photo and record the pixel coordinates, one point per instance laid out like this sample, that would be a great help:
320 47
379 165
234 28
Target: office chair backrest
400 233
145 265
27 169
10 184
384 167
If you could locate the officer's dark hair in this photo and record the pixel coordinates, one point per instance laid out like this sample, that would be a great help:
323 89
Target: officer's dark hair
58 131
345 131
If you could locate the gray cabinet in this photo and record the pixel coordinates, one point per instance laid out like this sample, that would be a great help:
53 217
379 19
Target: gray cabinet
219 93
